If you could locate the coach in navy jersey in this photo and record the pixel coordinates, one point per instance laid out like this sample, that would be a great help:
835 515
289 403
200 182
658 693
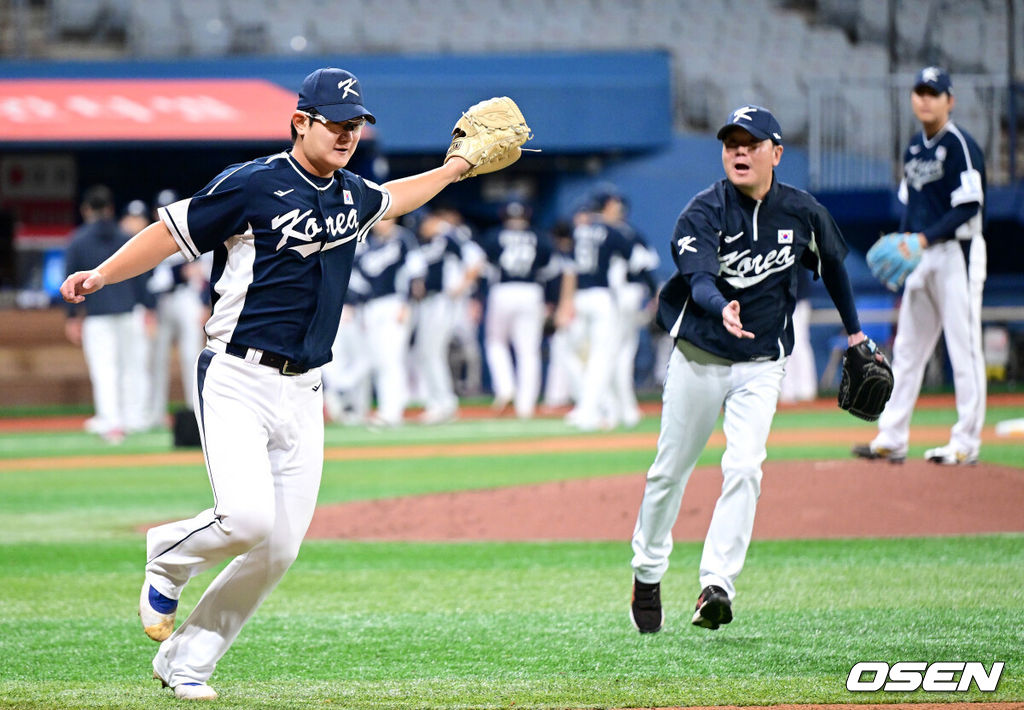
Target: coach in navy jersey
283 229
943 188
737 247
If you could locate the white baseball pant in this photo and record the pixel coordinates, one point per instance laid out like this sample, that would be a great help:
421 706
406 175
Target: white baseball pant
697 385
114 349
940 296
347 376
433 334
515 315
263 438
629 299
595 309
179 315
387 328
801 381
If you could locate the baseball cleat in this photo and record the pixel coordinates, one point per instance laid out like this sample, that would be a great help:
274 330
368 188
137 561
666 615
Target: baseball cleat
713 608
189 691
645 610
157 613
866 451
949 455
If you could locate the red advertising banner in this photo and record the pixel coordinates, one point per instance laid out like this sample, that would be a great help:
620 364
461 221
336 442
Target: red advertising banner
43 110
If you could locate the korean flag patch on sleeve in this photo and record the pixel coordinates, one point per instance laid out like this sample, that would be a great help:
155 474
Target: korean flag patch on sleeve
785 236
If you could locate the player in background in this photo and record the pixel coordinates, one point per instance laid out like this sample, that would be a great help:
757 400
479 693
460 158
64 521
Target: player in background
521 259
633 283
178 287
737 246
943 189
440 247
283 229
565 368
595 242
110 328
467 311
347 383
393 269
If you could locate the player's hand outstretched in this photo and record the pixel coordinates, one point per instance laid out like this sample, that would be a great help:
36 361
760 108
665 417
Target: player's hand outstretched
80 284
731 320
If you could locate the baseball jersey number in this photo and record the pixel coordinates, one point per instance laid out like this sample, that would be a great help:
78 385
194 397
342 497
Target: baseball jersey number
519 251
587 248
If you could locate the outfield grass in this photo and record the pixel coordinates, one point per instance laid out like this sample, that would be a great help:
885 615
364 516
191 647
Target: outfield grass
488 625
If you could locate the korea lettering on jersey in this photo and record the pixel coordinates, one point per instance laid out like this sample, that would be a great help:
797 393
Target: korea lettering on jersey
940 173
283 241
753 248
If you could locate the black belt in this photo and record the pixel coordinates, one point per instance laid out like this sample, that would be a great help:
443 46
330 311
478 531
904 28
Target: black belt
278 362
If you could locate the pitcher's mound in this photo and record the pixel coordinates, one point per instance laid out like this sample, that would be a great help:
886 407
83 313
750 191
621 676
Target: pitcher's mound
799 499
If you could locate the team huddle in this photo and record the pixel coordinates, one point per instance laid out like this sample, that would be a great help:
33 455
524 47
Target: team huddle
309 266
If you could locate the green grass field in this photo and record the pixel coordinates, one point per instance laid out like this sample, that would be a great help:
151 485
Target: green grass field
486 625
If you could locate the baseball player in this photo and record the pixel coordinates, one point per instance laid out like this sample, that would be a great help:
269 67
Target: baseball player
392 269
347 387
595 242
943 188
440 247
111 330
520 260
737 247
632 282
283 229
177 287
466 309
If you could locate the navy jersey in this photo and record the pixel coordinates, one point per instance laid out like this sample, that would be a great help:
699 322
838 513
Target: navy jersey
594 244
283 241
939 174
436 252
643 260
752 248
92 244
388 265
518 254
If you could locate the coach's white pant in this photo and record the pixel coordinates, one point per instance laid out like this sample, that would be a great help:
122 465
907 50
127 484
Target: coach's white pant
433 334
940 296
114 349
696 387
515 316
263 438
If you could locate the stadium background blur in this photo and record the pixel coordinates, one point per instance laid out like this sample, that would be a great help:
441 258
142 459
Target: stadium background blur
148 95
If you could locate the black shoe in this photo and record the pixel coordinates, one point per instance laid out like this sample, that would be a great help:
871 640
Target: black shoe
645 611
713 608
864 451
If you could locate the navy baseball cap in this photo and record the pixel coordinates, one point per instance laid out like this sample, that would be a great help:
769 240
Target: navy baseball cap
335 94
934 78
755 120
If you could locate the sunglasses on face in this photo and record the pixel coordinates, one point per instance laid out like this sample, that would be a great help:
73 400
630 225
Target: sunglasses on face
349 126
